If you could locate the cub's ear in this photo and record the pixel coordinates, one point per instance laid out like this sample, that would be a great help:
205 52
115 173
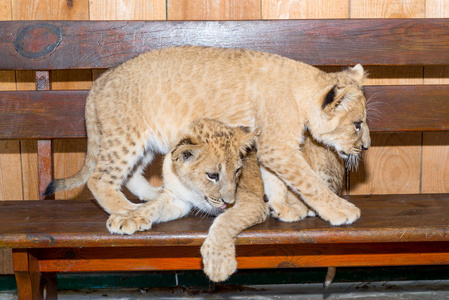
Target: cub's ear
247 138
358 73
329 97
185 151
335 100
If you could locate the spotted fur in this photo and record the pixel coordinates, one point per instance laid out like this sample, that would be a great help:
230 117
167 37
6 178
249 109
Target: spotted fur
235 193
141 107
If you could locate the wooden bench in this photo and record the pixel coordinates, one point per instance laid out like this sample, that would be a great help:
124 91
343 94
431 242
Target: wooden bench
51 236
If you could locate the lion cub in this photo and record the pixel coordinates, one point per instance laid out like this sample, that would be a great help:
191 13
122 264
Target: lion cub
138 109
211 165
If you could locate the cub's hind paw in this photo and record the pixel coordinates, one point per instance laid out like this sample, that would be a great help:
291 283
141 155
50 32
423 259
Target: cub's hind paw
290 210
339 212
219 259
127 224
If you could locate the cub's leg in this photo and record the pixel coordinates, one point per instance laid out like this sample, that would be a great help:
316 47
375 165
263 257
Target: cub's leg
218 250
330 167
139 185
163 209
326 163
282 155
285 205
116 159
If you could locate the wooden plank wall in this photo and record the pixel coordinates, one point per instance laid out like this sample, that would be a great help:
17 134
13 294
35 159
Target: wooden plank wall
397 163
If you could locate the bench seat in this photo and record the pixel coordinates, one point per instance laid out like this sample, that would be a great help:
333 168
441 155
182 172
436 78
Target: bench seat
82 223
71 236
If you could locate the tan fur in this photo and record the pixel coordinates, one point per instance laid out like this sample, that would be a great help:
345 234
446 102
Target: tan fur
288 206
140 108
209 147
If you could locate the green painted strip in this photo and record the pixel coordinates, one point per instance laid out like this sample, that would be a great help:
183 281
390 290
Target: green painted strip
70 281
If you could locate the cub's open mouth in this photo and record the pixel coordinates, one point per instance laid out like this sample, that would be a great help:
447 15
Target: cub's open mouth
216 202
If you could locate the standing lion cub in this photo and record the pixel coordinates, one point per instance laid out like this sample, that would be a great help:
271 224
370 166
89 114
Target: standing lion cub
140 108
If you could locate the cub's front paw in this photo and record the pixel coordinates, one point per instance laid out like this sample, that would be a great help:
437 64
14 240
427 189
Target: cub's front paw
339 211
127 224
219 259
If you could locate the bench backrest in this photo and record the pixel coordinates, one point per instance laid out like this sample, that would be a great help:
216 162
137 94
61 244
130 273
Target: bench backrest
54 45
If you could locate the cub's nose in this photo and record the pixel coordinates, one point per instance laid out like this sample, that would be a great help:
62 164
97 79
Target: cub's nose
365 148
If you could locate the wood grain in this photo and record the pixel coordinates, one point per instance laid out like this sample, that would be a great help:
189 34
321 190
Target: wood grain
77 223
318 9
394 75
85 47
68 155
68 160
435 164
28 150
436 145
34 10
371 178
391 166
10 170
437 9
26 80
248 257
50 10
28 275
387 8
213 10
46 10
10 173
8 184
60 114
5 10
43 114
127 10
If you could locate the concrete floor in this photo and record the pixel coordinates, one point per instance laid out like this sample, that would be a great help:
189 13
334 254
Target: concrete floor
410 290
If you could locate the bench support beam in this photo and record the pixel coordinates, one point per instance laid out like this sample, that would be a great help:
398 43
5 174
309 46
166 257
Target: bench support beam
31 283
44 146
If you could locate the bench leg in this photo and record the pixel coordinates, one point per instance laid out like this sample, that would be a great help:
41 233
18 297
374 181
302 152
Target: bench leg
31 283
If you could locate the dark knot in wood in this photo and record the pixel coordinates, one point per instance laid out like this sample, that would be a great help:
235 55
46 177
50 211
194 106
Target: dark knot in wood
287 264
38 40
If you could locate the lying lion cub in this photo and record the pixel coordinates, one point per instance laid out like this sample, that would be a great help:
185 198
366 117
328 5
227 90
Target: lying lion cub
202 172
206 164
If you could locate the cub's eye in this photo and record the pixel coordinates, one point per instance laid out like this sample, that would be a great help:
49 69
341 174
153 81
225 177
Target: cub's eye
213 176
358 125
238 170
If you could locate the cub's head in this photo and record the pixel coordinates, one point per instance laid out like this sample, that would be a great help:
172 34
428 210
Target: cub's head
208 159
340 119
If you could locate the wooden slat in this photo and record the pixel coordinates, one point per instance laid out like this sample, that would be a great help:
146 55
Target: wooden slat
392 165
60 114
213 10
27 273
317 9
248 257
75 223
409 107
42 114
387 8
72 45
435 162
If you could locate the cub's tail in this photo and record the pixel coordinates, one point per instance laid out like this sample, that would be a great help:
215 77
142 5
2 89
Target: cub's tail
93 146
